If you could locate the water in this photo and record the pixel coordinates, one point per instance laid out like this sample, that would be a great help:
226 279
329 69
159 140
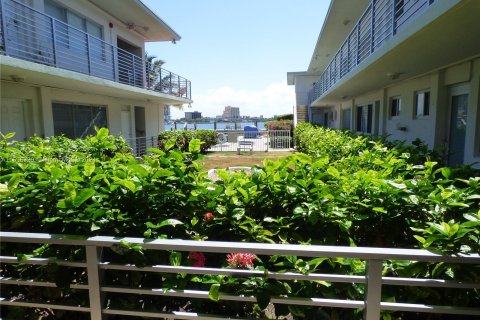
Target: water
220 125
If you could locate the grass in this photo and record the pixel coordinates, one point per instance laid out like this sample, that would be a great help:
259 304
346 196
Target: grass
245 159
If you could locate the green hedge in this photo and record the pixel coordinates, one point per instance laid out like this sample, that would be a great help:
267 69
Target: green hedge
345 191
182 139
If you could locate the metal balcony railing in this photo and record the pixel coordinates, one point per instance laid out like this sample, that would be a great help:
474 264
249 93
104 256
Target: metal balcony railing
380 21
34 36
94 264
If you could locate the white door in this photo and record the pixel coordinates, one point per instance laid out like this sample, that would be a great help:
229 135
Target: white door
13 118
126 124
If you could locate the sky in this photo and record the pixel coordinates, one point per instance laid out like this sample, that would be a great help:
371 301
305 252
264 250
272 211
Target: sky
238 53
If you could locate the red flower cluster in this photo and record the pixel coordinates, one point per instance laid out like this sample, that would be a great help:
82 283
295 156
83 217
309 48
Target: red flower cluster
209 216
241 260
198 259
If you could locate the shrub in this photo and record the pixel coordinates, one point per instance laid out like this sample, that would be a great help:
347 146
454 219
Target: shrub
345 191
182 139
279 125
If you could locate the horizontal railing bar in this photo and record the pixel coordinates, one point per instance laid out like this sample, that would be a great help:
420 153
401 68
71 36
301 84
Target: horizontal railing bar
198 294
168 315
396 306
437 283
33 283
20 303
42 261
238 273
241 247
291 276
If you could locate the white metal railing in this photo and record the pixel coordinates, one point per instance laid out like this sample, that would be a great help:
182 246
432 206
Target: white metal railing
34 36
94 265
381 20
140 145
231 140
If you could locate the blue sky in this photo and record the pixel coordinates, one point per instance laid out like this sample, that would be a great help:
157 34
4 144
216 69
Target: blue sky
238 53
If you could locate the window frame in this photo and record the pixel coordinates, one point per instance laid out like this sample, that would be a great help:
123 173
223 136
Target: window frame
73 110
426 104
395 110
359 118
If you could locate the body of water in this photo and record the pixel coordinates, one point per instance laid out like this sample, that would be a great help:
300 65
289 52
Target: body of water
219 125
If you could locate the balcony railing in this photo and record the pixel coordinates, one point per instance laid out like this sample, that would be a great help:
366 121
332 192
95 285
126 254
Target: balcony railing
380 21
93 266
34 36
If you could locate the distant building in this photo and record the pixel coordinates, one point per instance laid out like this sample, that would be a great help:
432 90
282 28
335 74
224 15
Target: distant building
231 113
193 115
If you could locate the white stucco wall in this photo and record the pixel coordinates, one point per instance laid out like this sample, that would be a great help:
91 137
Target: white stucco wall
40 98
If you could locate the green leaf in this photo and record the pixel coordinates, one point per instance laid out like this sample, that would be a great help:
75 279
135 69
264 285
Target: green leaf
102 134
214 292
380 209
194 146
397 185
88 168
129 184
70 192
167 222
420 239
175 258
169 144
163 173
83 196
446 172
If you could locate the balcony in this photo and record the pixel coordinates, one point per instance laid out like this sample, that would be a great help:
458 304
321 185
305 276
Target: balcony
381 21
33 36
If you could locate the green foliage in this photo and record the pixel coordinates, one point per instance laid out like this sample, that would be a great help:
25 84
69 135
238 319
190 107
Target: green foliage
182 138
343 190
279 125
288 116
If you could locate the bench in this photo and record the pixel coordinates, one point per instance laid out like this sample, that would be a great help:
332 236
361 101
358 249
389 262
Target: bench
245 145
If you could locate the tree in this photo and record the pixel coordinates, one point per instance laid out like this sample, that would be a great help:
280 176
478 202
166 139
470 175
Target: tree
153 70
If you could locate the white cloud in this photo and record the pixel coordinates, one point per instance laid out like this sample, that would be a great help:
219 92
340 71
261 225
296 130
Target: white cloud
276 98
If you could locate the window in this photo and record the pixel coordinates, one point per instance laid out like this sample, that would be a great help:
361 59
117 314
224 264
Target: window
77 121
65 15
365 118
395 106
422 103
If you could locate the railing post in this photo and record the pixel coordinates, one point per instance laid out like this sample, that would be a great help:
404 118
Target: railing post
394 6
89 58
178 85
54 42
114 64
133 69
374 290
94 293
372 27
170 87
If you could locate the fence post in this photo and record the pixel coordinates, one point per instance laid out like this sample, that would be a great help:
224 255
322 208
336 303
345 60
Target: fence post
94 293
374 289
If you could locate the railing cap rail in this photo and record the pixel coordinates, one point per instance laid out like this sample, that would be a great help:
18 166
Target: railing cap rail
367 253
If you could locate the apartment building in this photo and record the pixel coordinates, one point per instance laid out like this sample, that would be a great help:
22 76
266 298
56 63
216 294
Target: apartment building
69 66
231 113
407 69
